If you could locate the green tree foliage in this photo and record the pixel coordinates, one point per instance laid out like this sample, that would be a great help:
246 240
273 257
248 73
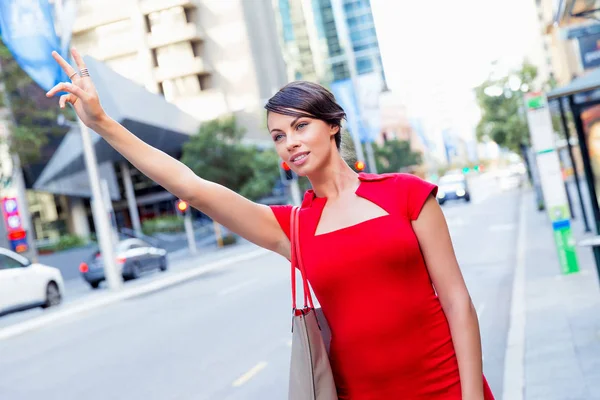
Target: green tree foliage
502 114
394 155
35 115
217 154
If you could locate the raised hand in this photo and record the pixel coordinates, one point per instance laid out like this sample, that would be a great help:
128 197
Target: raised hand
81 91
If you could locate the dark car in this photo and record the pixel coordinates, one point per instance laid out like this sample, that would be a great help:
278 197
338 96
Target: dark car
453 187
134 256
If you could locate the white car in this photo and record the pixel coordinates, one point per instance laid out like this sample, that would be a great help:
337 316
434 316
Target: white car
26 285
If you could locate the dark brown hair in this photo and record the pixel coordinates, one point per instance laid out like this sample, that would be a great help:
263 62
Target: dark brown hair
306 99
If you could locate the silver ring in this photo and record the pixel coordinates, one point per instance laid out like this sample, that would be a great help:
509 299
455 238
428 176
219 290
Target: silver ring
72 75
84 72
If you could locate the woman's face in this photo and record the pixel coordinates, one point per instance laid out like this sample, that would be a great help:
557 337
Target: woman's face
304 143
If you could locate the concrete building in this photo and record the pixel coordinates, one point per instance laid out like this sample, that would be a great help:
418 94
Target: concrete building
209 57
570 32
161 68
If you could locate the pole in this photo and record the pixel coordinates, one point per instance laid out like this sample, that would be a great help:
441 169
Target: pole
371 158
18 181
131 201
567 132
218 234
589 173
189 231
100 215
295 191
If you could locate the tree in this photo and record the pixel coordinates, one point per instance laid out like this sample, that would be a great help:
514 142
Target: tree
394 155
502 110
217 154
35 115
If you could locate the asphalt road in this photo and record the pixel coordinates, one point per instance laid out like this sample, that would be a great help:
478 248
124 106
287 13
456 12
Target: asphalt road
226 335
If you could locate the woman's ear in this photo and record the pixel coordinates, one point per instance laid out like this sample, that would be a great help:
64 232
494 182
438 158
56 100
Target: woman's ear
333 129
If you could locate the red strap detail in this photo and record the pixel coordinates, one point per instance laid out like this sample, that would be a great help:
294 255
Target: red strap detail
296 258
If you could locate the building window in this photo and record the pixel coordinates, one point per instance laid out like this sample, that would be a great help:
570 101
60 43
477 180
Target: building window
364 65
173 55
165 20
186 86
340 71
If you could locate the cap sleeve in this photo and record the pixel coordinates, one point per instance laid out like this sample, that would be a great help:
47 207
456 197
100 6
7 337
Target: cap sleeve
416 192
283 214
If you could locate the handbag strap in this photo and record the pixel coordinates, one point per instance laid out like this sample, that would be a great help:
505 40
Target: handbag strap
296 260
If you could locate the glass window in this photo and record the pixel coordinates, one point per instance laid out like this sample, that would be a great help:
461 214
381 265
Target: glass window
364 65
7 262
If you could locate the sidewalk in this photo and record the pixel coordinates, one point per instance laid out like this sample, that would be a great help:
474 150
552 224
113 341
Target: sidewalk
561 349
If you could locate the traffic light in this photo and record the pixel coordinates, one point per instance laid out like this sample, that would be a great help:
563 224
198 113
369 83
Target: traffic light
289 175
182 206
359 166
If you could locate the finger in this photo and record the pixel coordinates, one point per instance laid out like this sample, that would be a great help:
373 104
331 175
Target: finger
67 87
66 98
78 59
63 63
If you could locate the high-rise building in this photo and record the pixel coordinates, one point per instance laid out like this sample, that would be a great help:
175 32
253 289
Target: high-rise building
209 57
315 33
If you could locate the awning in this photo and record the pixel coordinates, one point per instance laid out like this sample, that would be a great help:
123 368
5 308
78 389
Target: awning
585 83
147 115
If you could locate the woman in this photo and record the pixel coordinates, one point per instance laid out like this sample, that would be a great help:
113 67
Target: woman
373 246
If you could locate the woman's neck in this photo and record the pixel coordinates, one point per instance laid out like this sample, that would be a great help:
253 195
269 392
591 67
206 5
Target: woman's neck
335 179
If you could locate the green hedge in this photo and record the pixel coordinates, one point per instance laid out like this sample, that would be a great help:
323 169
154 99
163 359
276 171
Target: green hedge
171 223
65 242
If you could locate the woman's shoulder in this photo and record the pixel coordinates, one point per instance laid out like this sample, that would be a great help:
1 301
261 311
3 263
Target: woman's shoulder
393 178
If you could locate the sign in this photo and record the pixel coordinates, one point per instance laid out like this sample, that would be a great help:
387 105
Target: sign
580 31
17 236
589 50
550 176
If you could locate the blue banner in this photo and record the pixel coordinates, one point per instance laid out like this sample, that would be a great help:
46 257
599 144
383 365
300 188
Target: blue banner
27 29
346 97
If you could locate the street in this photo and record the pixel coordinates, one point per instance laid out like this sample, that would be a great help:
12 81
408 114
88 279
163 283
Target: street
226 335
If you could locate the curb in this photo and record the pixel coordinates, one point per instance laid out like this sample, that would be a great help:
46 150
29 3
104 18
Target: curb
114 297
514 369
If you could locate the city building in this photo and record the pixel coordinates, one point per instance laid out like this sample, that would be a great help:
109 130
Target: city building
161 67
209 57
570 32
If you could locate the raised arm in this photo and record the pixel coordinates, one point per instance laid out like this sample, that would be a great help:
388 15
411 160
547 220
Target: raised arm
253 221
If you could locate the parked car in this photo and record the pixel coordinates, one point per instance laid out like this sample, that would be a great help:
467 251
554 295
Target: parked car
453 187
24 284
134 257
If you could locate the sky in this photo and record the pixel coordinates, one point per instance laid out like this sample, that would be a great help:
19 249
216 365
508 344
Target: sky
440 48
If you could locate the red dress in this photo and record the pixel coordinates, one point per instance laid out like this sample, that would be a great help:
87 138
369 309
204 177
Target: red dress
390 336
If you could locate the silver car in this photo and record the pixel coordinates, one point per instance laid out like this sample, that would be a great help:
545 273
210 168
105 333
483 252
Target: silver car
134 257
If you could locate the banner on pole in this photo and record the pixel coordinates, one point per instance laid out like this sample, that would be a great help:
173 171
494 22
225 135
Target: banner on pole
27 29
550 174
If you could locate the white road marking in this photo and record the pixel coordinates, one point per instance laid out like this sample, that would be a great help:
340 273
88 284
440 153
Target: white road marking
514 370
250 374
237 287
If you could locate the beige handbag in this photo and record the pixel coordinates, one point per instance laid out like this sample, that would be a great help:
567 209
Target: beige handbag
310 372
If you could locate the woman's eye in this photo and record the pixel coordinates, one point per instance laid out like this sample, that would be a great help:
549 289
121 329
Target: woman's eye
277 137
301 125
